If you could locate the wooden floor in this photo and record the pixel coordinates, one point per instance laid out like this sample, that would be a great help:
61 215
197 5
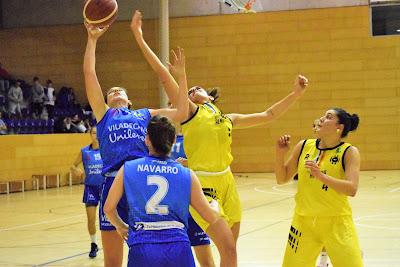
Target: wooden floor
48 228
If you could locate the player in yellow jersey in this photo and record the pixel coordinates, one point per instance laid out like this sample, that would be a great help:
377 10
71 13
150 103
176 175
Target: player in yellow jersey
208 136
328 172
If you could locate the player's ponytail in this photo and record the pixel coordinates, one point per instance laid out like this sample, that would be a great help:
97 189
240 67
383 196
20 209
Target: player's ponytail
350 122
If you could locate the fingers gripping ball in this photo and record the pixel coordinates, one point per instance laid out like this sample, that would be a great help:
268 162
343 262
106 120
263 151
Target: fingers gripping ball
100 13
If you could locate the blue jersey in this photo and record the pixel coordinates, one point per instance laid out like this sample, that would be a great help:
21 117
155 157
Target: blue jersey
158 195
93 165
177 150
121 134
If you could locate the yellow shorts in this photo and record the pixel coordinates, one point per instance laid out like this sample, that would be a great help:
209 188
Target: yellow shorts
221 188
308 235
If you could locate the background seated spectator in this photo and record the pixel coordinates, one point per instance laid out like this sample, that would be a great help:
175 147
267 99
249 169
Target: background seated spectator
15 99
3 126
78 123
68 126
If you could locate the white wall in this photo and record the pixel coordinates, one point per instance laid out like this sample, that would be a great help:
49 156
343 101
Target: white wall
25 13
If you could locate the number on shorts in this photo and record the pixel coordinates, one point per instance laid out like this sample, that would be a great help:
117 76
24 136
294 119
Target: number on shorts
153 205
176 147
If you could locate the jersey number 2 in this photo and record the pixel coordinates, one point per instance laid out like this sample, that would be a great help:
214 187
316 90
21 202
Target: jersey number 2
153 205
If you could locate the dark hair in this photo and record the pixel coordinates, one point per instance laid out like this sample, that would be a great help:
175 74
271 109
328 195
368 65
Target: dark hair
214 92
350 122
161 133
49 81
35 78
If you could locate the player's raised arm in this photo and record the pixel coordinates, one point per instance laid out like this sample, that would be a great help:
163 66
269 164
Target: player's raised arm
92 85
170 85
273 112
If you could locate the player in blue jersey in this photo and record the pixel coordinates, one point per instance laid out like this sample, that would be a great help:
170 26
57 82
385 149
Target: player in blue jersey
92 164
159 191
121 132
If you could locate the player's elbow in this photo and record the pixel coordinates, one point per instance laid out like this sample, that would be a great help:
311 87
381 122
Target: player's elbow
280 180
108 209
353 191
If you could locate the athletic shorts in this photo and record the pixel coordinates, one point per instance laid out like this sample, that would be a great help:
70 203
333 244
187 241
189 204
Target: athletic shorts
174 254
91 195
196 235
308 235
221 188
122 208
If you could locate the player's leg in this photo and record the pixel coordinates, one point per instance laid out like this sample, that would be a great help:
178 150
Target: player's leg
200 242
91 198
112 248
342 243
110 239
91 225
231 204
303 246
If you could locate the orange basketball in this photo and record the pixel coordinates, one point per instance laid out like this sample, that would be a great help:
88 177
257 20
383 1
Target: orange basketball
100 13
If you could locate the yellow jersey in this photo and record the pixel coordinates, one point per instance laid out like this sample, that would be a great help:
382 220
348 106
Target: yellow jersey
314 198
207 139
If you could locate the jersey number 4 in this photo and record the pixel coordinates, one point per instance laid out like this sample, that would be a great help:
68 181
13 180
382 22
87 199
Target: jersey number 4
153 205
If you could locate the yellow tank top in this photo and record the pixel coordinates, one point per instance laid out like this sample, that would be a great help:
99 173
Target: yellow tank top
314 198
207 139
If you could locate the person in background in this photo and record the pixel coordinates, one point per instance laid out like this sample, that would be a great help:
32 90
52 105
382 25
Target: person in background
38 97
50 98
15 99
92 164
3 126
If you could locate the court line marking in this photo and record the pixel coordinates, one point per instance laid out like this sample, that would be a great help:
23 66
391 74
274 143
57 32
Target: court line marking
356 221
39 223
277 189
65 258
394 190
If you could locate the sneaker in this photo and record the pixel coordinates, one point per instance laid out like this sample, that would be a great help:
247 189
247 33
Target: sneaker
93 250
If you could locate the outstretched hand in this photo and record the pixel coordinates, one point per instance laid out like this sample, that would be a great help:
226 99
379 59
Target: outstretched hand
95 32
136 24
177 68
283 144
300 84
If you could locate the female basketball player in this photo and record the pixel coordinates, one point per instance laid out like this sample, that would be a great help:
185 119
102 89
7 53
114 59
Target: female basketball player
92 163
328 171
199 240
208 136
159 191
121 132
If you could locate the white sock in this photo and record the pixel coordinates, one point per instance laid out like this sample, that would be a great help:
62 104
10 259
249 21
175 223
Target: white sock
93 238
323 259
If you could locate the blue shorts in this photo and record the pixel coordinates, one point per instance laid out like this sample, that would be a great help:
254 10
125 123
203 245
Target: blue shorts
91 195
122 208
174 254
196 235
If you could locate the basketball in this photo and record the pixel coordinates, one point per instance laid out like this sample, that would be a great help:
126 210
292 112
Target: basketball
100 13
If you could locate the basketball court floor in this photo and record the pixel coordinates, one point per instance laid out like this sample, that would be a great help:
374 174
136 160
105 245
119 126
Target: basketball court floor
48 228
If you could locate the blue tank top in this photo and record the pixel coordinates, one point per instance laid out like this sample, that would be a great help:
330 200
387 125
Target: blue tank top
177 150
121 134
158 195
93 165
